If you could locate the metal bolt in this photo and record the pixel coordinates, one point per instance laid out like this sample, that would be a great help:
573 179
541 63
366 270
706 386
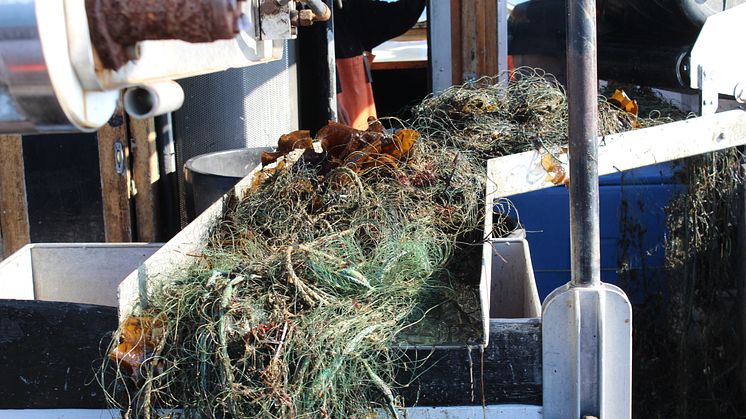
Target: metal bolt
119 157
305 17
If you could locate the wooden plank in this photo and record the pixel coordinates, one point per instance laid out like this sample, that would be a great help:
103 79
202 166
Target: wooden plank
480 39
114 162
414 34
469 34
456 41
488 23
473 39
520 173
14 222
398 65
145 175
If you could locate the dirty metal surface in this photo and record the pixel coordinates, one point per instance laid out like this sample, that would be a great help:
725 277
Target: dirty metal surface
509 370
116 26
49 353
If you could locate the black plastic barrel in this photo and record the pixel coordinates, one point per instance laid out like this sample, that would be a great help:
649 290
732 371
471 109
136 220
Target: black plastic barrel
209 176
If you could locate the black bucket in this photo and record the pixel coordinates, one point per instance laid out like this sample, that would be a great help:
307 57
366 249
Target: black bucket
209 176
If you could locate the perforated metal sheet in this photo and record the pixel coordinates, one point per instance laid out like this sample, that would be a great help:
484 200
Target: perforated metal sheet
246 107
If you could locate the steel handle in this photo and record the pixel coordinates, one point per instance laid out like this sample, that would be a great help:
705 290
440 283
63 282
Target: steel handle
582 89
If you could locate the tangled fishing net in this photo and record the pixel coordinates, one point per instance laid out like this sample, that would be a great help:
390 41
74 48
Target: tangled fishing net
487 119
299 304
688 339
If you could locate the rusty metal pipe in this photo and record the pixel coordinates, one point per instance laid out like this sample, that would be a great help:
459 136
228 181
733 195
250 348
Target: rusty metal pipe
116 26
582 91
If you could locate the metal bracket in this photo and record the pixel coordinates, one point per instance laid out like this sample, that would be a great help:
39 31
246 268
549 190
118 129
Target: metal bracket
709 96
275 20
716 64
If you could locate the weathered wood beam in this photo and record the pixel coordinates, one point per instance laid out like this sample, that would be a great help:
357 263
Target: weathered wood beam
145 175
14 221
116 193
473 39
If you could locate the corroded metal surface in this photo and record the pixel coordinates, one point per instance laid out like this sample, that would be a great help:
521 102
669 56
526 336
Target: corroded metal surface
117 25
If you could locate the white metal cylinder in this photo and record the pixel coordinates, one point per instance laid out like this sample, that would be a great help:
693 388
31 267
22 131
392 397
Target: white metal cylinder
149 100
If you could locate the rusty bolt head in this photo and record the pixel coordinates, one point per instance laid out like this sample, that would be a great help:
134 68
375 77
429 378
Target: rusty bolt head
305 17
269 7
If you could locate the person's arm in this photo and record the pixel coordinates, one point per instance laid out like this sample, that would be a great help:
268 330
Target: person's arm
378 21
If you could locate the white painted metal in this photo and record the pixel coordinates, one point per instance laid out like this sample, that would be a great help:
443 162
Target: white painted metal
79 41
708 95
717 60
16 277
75 272
502 40
154 99
476 412
520 173
513 293
88 94
86 109
564 346
173 60
439 22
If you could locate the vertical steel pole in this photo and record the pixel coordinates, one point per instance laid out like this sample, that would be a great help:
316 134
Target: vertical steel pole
582 90
502 42
586 328
439 47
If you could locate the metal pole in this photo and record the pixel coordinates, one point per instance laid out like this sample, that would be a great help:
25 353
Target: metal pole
502 42
439 48
582 90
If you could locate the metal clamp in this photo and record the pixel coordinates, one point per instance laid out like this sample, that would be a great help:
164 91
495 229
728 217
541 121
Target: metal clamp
709 96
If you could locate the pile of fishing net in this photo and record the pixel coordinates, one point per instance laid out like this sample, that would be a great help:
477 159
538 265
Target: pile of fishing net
487 118
346 249
689 339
